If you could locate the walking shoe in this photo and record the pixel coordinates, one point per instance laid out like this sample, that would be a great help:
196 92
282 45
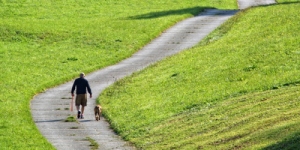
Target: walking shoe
78 115
81 117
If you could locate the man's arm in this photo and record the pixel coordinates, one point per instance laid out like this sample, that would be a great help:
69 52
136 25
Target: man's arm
89 89
73 88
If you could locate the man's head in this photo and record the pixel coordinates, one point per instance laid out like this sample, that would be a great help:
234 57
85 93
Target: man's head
82 75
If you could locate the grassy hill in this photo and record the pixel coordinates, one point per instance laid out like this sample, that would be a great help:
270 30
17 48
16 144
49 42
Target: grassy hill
238 89
44 43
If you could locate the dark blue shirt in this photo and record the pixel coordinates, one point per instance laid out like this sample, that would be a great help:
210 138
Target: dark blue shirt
81 85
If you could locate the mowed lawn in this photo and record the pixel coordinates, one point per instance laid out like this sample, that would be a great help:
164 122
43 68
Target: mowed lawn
238 89
44 43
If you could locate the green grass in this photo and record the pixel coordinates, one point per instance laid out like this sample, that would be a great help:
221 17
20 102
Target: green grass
44 43
253 121
94 145
71 119
238 92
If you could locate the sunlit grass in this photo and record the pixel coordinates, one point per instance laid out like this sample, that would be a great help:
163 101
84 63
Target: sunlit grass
252 121
168 105
44 43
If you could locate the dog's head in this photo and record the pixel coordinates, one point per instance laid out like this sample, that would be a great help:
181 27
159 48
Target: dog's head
98 107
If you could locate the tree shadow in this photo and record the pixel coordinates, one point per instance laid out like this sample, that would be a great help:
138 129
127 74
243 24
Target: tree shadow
287 144
86 120
57 120
193 11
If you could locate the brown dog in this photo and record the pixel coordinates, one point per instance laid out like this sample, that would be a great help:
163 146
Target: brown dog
97 110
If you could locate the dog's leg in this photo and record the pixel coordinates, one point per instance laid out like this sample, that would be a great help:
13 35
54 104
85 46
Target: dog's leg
97 114
100 114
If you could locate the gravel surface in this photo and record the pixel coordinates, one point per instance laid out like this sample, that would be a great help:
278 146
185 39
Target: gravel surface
50 109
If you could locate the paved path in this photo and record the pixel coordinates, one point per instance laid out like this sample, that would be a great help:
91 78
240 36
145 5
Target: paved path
243 4
49 108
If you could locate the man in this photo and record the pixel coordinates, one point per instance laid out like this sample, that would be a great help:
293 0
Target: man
81 85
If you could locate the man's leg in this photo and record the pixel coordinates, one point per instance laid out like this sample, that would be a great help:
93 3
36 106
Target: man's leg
82 110
83 104
77 103
78 111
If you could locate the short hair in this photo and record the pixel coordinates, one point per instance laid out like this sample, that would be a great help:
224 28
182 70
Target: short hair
82 74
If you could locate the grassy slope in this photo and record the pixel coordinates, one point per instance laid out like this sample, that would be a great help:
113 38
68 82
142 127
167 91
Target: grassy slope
202 97
44 43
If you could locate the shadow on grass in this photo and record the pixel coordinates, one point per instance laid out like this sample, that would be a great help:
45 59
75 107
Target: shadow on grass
291 143
193 11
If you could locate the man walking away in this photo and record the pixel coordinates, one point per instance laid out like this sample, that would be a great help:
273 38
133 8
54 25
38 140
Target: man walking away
81 85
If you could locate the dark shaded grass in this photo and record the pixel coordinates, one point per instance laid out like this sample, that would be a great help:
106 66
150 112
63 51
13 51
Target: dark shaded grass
289 143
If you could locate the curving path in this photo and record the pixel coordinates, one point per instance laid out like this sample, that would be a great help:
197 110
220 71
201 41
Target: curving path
49 108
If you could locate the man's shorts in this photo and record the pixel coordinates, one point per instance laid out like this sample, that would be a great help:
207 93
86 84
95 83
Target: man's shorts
81 99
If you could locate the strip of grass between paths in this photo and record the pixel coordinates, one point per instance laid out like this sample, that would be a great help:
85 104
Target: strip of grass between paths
188 101
44 43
